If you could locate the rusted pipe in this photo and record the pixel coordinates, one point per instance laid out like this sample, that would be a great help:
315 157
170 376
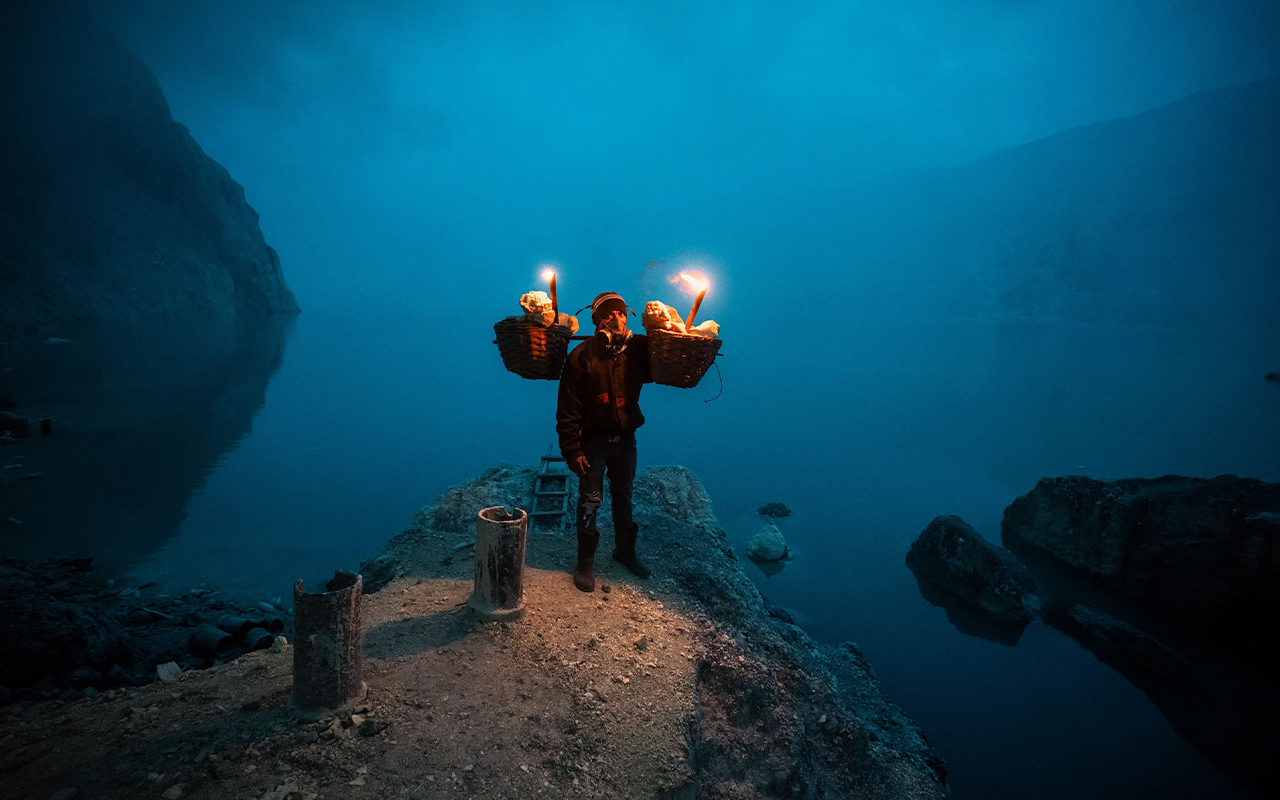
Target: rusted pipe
500 542
328 662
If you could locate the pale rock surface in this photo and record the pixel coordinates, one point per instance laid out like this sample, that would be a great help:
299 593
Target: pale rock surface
768 544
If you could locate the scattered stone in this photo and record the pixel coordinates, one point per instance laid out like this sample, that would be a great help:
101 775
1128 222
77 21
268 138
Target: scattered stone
641 644
174 791
252 704
15 423
371 727
307 737
774 510
768 544
169 672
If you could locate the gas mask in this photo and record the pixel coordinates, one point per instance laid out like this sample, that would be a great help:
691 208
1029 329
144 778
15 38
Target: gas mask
613 341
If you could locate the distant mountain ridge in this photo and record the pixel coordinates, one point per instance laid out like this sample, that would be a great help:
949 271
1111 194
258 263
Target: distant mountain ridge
1169 216
1164 216
110 210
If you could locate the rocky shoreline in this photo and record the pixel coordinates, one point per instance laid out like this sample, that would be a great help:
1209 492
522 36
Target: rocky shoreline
686 685
67 634
1173 582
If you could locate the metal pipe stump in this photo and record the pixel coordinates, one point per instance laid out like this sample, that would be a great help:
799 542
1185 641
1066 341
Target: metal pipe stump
500 541
328 658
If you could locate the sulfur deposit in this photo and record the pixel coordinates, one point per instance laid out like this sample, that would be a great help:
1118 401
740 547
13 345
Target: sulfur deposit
537 308
662 317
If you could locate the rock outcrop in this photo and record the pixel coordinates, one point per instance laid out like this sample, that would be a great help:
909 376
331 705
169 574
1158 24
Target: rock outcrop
950 554
767 711
1204 553
110 209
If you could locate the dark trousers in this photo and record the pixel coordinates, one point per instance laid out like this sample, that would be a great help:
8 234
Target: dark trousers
615 455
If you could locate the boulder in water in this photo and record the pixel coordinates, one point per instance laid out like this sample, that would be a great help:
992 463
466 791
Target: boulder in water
953 556
768 544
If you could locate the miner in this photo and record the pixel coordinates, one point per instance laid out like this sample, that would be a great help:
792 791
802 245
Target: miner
596 418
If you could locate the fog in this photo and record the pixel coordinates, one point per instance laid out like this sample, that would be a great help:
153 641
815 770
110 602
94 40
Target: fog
954 247
436 152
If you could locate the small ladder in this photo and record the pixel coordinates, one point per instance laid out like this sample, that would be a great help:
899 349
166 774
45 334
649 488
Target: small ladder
551 493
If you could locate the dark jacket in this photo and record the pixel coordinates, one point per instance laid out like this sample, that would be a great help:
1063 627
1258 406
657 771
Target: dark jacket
599 394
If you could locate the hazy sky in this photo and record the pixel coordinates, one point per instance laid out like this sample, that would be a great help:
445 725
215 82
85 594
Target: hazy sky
386 143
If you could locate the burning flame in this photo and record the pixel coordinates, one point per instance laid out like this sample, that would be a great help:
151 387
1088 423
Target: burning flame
548 274
692 282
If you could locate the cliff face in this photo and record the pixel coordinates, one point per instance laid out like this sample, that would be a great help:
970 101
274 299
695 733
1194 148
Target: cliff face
110 209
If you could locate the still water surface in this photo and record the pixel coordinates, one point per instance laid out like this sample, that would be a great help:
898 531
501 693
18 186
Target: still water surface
254 456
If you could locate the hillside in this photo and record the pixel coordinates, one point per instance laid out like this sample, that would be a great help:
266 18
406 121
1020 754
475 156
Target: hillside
111 211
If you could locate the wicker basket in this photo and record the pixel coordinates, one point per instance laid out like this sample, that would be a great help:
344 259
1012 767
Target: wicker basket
532 350
677 359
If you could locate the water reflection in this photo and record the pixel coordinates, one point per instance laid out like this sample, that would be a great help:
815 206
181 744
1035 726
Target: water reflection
770 568
142 414
1218 707
969 620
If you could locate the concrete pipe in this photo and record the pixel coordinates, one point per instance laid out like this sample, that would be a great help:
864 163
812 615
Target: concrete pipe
210 641
239 626
258 638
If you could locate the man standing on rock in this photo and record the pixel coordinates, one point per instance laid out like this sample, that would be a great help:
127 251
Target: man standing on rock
596 418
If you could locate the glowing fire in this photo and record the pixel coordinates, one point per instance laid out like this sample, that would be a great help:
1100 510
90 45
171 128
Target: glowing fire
691 282
549 274
696 283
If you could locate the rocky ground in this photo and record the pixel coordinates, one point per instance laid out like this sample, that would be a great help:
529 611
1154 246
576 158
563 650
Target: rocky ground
67 634
685 685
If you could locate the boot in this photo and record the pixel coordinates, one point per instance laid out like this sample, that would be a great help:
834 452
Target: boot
584 576
624 551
